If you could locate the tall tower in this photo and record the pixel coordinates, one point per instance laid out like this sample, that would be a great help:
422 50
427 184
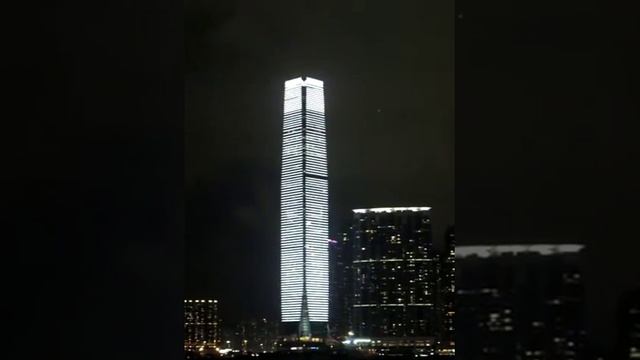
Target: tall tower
304 261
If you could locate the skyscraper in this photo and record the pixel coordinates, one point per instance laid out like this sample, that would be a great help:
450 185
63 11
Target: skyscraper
394 267
304 273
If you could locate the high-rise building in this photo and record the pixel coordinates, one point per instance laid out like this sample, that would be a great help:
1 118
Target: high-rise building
629 325
394 265
304 268
446 299
341 285
201 324
520 301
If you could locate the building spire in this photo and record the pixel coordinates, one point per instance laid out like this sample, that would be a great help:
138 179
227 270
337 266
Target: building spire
304 328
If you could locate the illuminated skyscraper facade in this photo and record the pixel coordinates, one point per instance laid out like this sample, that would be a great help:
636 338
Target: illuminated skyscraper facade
304 273
394 272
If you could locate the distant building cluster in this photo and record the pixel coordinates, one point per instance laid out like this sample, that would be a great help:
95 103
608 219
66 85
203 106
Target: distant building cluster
254 336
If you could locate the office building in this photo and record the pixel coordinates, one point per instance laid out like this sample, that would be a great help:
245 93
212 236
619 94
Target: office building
519 302
304 272
629 325
394 269
341 285
201 324
446 301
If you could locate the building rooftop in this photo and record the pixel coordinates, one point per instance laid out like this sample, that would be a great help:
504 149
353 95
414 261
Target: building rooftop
485 251
307 81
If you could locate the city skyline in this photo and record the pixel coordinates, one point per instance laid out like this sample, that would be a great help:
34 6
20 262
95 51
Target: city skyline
146 167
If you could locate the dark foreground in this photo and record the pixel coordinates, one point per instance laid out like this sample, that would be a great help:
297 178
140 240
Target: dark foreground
317 355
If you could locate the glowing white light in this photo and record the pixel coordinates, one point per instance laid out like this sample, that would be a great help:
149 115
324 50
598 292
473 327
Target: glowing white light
391 209
357 341
484 251
304 203
361 341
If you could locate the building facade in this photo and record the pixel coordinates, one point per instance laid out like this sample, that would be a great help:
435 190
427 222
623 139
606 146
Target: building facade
629 325
394 274
201 324
520 301
446 301
304 268
341 285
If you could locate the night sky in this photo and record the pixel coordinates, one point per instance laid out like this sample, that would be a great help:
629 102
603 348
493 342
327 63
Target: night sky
538 131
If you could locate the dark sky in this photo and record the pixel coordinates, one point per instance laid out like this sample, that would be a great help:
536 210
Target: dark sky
389 109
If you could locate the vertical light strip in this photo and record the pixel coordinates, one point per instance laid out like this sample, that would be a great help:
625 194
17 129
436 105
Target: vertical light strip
291 206
308 142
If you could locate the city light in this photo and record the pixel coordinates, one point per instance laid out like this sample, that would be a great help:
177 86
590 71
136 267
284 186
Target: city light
391 209
357 341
